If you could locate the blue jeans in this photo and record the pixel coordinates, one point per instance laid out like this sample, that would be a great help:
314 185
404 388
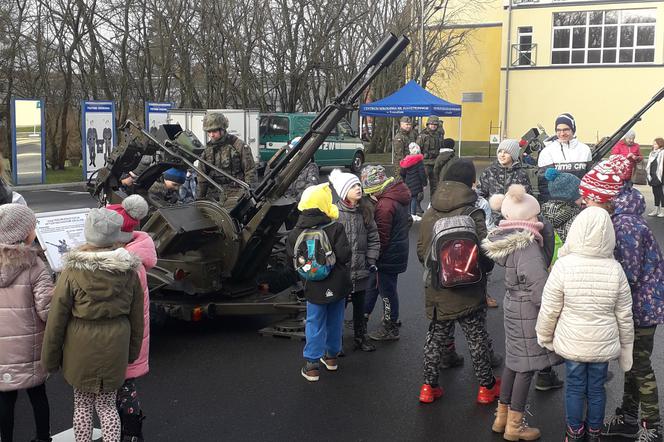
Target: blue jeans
384 284
585 382
414 205
323 329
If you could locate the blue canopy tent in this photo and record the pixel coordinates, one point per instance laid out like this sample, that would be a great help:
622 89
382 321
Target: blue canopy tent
413 101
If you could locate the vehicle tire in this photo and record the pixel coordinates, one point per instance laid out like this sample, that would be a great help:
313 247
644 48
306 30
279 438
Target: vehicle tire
358 161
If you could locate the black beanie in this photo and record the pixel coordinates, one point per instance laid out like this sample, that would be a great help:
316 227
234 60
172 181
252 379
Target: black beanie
448 143
568 120
461 170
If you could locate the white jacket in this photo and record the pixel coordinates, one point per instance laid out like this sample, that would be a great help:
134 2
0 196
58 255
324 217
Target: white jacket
586 312
658 156
556 153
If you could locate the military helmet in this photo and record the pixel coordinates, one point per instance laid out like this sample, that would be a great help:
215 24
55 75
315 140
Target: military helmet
214 121
433 120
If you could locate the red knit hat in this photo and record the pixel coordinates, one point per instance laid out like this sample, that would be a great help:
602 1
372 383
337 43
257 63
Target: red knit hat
603 182
133 209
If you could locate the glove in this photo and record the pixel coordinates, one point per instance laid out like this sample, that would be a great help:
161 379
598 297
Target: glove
625 358
373 268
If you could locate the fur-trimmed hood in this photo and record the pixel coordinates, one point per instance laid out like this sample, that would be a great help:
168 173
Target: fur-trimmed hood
114 261
501 243
13 260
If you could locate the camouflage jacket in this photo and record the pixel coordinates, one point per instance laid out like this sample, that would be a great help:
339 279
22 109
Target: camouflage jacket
430 144
160 196
400 144
497 179
309 176
232 156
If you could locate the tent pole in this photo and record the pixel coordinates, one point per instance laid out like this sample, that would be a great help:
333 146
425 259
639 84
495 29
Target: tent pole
459 137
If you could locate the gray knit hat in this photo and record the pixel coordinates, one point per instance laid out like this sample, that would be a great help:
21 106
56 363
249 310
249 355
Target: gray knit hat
102 227
511 147
16 223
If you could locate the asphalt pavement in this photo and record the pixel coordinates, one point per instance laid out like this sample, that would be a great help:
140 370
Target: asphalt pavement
221 381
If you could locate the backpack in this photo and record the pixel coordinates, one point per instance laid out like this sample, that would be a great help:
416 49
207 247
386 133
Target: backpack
313 257
455 252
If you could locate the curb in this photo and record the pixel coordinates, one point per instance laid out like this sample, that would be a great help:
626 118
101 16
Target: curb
79 184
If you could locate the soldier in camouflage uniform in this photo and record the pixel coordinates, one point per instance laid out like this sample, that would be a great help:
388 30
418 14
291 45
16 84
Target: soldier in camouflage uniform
430 142
228 153
401 141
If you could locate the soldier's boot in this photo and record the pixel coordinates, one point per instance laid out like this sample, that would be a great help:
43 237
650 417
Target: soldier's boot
649 432
388 331
517 428
622 423
361 339
132 427
500 421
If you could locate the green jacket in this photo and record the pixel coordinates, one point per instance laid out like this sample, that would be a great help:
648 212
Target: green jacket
451 198
430 144
95 326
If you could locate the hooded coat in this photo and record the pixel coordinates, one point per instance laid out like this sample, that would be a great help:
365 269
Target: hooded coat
413 173
338 284
364 242
25 298
586 311
142 246
641 258
95 326
451 199
525 275
393 221
497 179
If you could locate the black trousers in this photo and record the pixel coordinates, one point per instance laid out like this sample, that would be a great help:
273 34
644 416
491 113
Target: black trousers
358 300
40 409
658 193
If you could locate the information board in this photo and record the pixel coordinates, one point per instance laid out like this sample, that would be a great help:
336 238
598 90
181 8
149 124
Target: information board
59 232
97 134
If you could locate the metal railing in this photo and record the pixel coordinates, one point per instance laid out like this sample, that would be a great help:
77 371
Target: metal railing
523 55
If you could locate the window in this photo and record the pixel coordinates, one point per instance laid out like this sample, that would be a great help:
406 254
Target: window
604 37
525 57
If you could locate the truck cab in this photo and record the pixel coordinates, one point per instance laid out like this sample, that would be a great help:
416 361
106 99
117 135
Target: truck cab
342 148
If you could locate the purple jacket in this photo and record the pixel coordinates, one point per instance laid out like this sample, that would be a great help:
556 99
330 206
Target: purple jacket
641 258
25 299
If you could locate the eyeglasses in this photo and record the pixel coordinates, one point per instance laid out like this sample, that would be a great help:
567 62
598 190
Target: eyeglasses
563 130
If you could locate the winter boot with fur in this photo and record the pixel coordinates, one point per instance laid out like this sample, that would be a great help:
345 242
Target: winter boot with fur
500 422
517 428
132 427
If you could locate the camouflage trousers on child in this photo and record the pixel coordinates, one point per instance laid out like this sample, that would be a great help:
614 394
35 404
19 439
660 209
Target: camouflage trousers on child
477 337
640 382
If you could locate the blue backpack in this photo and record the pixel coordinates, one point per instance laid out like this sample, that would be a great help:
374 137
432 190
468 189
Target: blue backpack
313 257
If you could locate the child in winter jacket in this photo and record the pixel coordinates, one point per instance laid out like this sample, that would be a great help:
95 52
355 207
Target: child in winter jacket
463 304
641 259
517 245
564 202
95 327
133 209
25 298
391 200
364 241
586 317
326 297
504 172
415 177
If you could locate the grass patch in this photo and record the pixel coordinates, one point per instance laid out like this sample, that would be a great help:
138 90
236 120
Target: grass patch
68 175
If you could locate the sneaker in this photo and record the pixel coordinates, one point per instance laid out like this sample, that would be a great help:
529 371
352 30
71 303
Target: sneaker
648 432
593 435
451 360
330 363
487 396
660 214
428 393
547 380
490 302
621 424
654 212
388 331
575 436
310 371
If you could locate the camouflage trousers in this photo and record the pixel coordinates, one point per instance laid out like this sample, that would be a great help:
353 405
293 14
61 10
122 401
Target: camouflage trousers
640 382
432 180
477 337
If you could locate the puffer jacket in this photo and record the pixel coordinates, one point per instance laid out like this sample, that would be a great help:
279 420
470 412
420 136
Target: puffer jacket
560 214
622 148
442 162
497 179
142 246
95 326
640 256
337 285
25 299
364 243
525 275
451 199
586 312
393 221
413 173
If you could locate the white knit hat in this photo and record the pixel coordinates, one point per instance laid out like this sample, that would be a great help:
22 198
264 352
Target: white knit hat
102 227
414 149
342 182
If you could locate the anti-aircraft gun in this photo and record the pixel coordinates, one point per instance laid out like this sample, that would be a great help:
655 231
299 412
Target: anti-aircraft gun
209 257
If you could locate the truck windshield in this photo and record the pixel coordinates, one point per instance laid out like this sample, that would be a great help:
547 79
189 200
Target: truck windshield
344 129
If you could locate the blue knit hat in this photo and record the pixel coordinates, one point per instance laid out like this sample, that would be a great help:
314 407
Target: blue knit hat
562 186
566 119
175 174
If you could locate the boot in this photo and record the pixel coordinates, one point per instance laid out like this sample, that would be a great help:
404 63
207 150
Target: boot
388 331
517 428
361 339
500 421
451 360
575 436
622 424
649 432
594 435
547 380
132 427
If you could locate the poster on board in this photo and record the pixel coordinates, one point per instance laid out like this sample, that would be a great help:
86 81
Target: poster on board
28 141
97 133
156 114
59 232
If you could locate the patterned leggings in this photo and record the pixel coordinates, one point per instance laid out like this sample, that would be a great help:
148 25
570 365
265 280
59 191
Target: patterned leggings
109 418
